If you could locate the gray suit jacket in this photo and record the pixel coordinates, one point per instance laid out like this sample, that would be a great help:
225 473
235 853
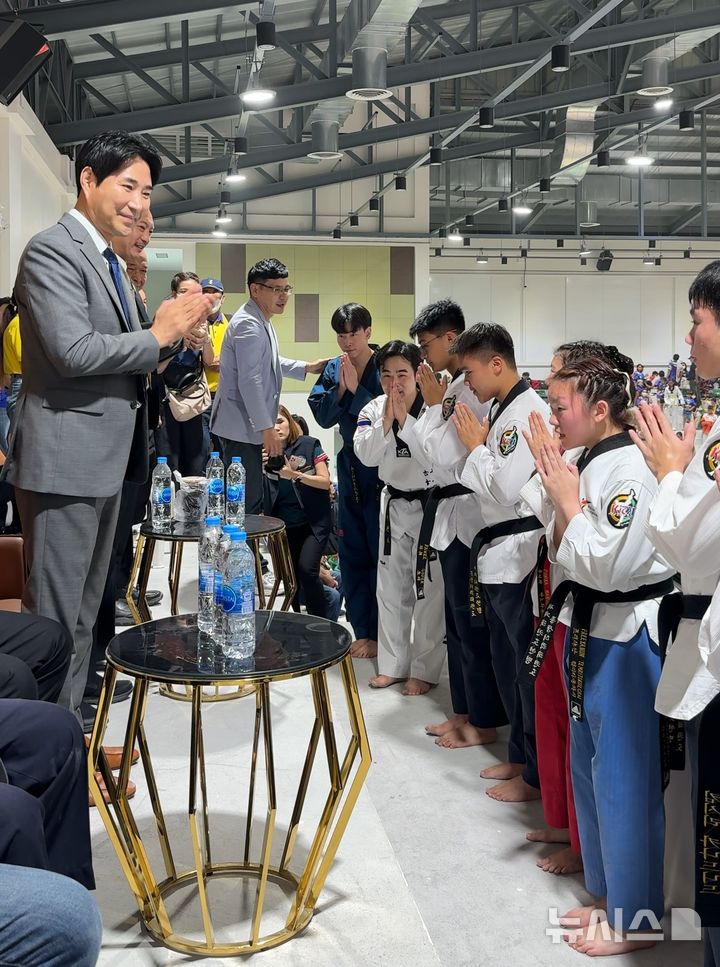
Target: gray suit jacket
77 411
251 375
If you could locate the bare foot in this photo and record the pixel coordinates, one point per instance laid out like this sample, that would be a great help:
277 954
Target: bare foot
416 686
503 770
514 790
466 735
549 835
364 648
598 939
382 681
579 917
442 728
565 861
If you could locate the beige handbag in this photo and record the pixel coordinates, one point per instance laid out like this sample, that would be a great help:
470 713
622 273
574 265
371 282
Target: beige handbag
189 402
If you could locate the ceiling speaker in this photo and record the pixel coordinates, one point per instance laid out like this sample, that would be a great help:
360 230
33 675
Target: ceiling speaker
605 259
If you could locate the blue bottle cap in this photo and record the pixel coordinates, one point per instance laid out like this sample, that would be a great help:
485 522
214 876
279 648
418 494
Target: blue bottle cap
242 535
214 453
212 521
236 460
162 459
237 536
230 528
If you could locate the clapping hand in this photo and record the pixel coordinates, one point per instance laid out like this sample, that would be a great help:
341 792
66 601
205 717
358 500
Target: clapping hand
432 390
348 374
539 436
561 480
399 406
471 432
662 449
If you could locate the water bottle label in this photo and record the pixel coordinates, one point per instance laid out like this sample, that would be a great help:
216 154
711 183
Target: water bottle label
215 486
164 495
235 493
218 588
206 578
237 598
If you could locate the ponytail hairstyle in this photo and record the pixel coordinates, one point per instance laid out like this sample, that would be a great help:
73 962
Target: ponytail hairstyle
597 379
572 352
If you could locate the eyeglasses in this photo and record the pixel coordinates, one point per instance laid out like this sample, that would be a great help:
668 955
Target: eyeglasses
277 289
422 346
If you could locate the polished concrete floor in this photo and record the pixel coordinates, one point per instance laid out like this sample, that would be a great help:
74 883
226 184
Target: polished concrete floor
431 870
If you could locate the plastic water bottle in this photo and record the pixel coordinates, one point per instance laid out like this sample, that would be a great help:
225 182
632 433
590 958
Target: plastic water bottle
215 473
207 558
162 496
221 551
239 599
235 493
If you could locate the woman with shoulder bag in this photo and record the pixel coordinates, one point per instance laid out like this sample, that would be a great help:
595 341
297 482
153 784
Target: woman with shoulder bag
186 397
298 492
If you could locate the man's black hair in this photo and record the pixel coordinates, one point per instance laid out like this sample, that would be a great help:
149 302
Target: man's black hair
439 317
112 151
705 290
266 269
350 318
396 347
486 339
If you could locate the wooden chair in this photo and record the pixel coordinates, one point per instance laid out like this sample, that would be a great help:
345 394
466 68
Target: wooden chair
13 571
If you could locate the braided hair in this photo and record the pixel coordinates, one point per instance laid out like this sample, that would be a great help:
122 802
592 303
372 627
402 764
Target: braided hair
572 352
597 379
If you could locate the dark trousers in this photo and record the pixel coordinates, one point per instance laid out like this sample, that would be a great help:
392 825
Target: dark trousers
473 689
182 443
251 456
359 542
508 613
34 656
711 935
210 441
306 553
44 816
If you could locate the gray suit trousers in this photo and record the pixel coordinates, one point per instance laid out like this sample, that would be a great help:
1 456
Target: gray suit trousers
68 542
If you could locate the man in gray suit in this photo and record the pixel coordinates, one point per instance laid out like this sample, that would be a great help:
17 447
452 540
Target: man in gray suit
251 374
81 425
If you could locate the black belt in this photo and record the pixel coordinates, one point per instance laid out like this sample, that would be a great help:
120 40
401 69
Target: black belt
707 821
432 503
584 603
395 494
518 525
673 608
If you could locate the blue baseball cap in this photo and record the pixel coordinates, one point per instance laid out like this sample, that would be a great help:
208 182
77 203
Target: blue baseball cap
212 284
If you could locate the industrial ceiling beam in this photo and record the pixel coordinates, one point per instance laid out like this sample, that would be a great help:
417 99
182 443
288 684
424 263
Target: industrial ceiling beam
457 65
59 20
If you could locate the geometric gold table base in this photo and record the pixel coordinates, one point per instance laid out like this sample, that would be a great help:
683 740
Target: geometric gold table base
211 693
302 887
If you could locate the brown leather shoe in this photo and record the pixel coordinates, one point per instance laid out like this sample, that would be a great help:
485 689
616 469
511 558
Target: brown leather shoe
131 789
113 754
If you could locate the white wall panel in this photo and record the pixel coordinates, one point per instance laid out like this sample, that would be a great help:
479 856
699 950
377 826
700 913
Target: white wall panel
545 318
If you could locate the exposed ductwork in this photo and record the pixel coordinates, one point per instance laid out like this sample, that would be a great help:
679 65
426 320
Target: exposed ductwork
378 24
576 138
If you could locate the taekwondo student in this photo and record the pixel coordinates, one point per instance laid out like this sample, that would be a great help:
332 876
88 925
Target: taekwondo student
552 720
348 383
504 551
451 519
594 510
411 632
683 524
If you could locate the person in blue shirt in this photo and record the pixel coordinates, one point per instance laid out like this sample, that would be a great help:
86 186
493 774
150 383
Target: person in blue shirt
345 386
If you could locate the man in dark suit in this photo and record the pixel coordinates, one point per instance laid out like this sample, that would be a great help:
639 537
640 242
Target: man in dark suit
81 426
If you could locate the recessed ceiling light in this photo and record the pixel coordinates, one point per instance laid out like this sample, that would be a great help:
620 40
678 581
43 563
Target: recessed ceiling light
257 96
219 233
663 104
454 235
522 208
640 159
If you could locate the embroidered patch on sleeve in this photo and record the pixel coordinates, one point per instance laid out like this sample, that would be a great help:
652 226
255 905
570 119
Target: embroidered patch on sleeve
711 459
508 441
448 407
621 509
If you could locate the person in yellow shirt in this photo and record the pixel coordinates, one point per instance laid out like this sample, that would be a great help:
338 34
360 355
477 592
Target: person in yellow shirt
217 327
12 360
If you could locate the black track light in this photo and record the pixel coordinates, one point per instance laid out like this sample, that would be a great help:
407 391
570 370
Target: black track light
560 242
374 205
486 117
603 158
503 205
354 220
337 233
560 58
686 120
400 183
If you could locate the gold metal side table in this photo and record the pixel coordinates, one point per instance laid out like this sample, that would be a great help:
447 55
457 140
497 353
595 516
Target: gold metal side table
257 527
170 650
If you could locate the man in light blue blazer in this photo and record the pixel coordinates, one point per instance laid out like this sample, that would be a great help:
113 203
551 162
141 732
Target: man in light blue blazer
251 374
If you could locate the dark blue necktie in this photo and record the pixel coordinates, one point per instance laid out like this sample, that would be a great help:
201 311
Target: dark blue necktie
116 274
